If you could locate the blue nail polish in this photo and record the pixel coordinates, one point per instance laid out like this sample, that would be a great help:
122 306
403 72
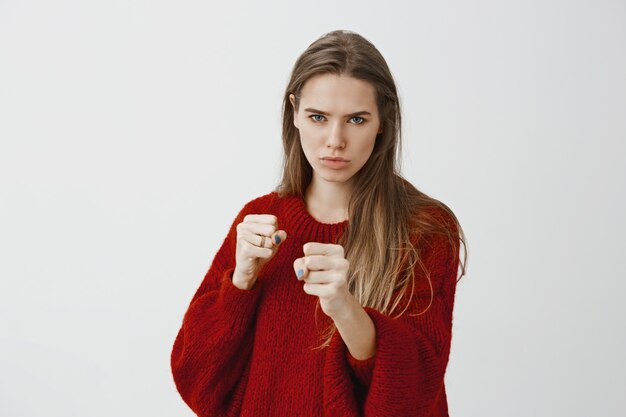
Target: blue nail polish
277 239
299 273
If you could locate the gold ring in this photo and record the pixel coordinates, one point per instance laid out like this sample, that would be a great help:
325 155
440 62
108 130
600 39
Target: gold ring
262 242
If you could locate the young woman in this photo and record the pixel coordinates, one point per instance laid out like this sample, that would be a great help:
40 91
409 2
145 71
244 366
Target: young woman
333 294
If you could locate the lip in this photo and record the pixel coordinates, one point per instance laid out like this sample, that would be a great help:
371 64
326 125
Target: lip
334 158
334 163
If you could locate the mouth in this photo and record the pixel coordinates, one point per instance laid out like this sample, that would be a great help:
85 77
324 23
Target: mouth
334 162
330 158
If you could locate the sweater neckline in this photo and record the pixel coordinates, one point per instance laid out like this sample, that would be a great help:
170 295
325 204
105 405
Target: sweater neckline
301 221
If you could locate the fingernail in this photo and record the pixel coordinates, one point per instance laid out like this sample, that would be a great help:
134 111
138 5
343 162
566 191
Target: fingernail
277 239
299 273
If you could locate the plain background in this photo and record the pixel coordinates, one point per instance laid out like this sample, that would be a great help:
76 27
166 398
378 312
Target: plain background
132 132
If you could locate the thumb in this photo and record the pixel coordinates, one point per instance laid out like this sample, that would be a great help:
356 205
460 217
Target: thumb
279 237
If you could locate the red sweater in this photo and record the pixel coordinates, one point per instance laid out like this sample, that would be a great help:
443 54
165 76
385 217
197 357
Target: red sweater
249 352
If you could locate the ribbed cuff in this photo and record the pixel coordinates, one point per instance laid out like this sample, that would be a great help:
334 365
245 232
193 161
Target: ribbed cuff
363 369
239 304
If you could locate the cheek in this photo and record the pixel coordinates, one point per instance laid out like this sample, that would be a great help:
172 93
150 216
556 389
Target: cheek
307 145
305 141
309 138
366 146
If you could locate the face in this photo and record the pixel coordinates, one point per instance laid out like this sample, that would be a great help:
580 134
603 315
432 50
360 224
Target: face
338 122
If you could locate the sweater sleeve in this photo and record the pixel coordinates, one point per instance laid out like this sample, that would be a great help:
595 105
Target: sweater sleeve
211 350
406 375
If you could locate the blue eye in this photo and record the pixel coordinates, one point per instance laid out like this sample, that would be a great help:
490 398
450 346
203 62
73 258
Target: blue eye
314 118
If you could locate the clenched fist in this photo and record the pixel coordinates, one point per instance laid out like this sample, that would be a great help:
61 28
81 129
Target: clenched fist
258 239
324 270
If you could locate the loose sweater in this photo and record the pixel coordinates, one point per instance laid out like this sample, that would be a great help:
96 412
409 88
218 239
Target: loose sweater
252 353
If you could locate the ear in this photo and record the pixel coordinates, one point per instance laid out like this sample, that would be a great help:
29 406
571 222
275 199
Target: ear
380 130
292 99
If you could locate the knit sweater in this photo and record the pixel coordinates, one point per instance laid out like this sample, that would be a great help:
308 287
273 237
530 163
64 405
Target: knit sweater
252 352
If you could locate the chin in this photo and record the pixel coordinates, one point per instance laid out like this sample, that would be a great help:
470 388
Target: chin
337 177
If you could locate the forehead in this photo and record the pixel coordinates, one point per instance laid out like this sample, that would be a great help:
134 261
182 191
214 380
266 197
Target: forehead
327 91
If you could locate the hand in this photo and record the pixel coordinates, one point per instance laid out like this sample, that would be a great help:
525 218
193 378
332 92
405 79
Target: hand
324 270
257 242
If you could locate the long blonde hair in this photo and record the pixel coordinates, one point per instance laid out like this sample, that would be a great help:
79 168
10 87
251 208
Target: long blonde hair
385 211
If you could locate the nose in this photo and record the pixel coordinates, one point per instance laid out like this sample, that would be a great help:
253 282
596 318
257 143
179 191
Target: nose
335 137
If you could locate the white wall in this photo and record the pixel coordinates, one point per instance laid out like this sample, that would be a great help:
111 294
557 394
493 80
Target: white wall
133 131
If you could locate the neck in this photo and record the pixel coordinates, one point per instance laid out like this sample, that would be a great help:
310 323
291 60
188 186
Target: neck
328 201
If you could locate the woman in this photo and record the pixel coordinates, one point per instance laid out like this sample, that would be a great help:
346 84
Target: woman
333 294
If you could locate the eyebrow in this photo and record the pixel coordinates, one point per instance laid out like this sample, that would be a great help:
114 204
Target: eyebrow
311 110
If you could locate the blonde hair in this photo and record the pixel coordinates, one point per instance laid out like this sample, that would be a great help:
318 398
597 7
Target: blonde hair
386 213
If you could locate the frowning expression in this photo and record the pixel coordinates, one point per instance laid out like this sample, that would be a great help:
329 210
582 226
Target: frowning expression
338 122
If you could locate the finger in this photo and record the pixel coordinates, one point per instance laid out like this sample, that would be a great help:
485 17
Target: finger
300 269
261 229
315 248
321 277
279 237
319 290
257 240
250 250
321 262
261 218
264 241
